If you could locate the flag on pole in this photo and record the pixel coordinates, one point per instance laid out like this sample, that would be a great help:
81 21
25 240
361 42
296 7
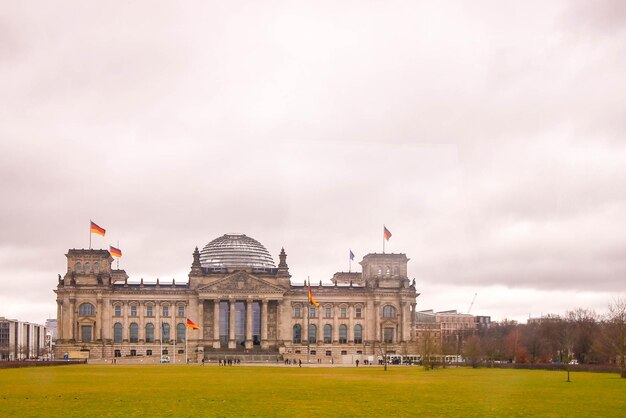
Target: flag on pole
386 233
115 252
351 255
95 229
313 301
191 324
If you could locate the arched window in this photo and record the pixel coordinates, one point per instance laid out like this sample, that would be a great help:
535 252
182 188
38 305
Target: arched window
380 270
134 333
180 333
297 334
117 333
87 267
358 334
328 334
389 311
165 332
86 309
343 334
78 267
312 333
96 267
149 333
388 271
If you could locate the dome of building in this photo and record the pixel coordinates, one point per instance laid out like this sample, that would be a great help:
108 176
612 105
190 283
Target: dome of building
235 250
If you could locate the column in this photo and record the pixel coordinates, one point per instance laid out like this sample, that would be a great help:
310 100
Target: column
141 307
264 306
335 324
125 336
231 325
216 323
249 323
351 323
377 335
158 327
72 335
98 328
200 319
59 319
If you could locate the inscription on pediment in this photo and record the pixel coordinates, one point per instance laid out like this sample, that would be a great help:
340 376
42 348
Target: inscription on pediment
241 283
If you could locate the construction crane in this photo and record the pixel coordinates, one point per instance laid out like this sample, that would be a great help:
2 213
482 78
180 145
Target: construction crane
472 304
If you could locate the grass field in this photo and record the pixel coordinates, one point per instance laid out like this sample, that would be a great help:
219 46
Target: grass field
168 390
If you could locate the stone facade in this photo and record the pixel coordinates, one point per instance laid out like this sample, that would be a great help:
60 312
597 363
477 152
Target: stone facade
243 310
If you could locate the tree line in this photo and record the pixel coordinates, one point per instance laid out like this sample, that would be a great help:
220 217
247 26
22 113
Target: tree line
579 337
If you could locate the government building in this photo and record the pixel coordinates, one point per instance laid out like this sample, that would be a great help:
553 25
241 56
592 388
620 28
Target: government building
245 307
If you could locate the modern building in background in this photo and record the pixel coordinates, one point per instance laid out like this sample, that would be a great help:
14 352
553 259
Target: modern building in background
22 340
242 303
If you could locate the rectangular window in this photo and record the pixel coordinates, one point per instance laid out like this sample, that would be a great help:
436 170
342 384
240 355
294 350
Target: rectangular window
149 311
117 353
133 353
344 352
181 311
343 313
148 352
388 335
296 311
312 312
166 311
329 353
328 312
85 333
358 312
118 311
133 310
313 352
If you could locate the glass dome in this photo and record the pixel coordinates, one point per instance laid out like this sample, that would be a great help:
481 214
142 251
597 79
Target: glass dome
235 250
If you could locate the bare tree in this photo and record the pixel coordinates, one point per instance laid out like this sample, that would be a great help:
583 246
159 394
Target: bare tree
472 349
615 332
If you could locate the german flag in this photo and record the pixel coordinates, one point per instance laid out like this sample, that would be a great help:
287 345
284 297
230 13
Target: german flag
95 229
191 324
115 252
313 301
386 233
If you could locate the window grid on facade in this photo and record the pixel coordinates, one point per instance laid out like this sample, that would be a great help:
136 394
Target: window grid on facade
343 312
180 333
133 310
165 333
86 309
149 333
358 334
149 310
297 334
117 332
312 312
181 311
166 310
134 333
328 334
328 312
297 311
312 333
389 311
343 334
117 310
358 312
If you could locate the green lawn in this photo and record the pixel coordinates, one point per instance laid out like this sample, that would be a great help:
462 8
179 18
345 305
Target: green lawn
168 390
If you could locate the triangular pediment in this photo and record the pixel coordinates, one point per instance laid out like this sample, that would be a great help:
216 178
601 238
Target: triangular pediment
241 283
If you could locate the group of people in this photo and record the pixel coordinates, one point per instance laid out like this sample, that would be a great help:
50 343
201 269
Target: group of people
229 362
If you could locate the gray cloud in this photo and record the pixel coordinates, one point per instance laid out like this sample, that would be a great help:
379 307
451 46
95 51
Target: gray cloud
489 138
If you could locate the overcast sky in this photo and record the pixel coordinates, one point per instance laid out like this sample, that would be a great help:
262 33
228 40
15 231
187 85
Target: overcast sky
488 136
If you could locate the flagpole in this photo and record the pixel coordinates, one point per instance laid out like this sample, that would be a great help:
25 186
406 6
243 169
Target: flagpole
308 337
383 239
186 330
350 263
90 234
175 336
118 258
161 339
